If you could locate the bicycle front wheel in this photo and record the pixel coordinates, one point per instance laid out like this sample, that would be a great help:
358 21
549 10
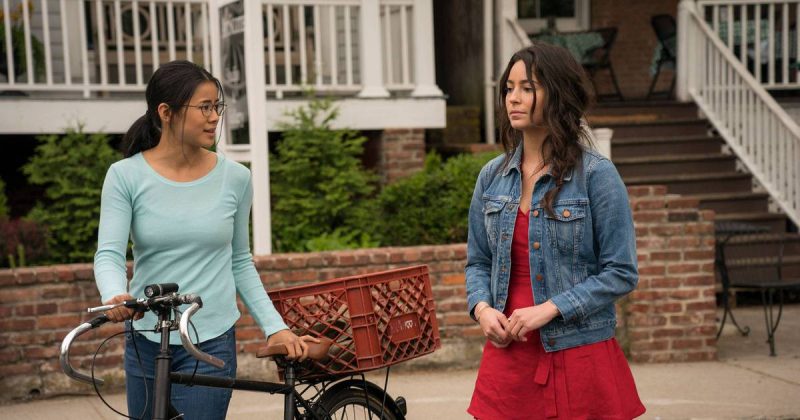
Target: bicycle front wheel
356 404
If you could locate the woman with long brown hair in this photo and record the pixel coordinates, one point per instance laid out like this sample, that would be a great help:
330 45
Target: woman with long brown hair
551 247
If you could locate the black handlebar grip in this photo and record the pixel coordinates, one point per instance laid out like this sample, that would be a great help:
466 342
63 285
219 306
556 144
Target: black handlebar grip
100 320
153 290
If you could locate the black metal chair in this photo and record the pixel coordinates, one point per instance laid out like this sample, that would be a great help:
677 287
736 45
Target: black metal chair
599 58
666 31
760 269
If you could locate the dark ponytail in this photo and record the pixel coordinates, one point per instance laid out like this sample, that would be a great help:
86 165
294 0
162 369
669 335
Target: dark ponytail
173 84
143 134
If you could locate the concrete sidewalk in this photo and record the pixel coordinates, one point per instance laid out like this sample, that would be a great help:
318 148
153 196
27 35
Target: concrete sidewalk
746 383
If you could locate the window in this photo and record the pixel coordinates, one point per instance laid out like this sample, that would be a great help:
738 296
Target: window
533 9
570 15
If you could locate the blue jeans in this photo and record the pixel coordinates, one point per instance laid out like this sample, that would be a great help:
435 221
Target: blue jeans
195 402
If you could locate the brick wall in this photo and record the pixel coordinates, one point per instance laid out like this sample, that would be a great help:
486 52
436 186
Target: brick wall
670 317
632 53
402 152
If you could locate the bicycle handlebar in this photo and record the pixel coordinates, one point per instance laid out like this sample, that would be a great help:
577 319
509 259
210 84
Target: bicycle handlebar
65 345
183 328
141 305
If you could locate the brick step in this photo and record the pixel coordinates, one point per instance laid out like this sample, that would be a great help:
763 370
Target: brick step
776 222
675 164
640 110
763 245
653 146
733 202
657 128
696 183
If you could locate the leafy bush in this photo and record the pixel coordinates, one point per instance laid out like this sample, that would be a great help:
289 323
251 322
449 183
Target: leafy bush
431 206
319 187
71 168
22 242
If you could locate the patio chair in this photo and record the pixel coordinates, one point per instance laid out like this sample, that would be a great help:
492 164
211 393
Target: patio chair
599 58
666 30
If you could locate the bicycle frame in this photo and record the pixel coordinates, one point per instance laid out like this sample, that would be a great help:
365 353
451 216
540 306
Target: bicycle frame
163 380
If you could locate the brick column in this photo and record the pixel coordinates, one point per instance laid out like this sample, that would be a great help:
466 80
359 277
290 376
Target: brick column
671 316
402 153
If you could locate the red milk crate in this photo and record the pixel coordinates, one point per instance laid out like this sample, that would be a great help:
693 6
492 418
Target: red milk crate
374 320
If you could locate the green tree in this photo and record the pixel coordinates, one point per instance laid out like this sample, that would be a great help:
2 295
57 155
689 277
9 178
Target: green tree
319 187
71 168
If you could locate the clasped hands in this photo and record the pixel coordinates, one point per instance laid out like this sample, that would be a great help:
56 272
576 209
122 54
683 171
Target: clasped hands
501 331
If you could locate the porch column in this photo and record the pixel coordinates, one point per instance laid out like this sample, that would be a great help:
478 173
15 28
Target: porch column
424 59
372 54
488 71
255 79
686 51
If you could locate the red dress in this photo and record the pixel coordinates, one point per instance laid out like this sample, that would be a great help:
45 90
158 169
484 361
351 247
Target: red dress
522 381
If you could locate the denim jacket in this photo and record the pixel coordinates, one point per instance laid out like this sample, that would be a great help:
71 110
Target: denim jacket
586 257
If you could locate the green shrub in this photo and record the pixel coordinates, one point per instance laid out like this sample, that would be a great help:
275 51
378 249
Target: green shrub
3 199
71 168
319 187
431 206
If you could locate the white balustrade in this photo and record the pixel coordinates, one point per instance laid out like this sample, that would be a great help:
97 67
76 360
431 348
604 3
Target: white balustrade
763 136
760 35
97 47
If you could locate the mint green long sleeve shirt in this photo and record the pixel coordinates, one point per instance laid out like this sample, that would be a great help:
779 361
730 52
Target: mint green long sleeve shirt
193 233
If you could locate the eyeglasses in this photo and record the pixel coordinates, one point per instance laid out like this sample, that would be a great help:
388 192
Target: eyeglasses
207 107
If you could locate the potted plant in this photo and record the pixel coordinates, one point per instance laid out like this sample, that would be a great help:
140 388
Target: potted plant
17 30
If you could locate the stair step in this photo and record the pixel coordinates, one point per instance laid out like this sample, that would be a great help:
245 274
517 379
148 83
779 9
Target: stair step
654 128
609 112
675 164
696 183
733 202
776 222
677 127
674 145
694 157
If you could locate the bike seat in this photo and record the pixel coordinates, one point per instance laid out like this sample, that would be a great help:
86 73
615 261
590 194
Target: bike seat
315 351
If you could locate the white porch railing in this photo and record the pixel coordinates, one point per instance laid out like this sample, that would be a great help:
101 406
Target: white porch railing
318 44
346 47
762 34
758 130
98 45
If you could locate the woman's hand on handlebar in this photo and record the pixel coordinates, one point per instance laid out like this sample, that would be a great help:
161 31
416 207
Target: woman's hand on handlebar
121 313
296 346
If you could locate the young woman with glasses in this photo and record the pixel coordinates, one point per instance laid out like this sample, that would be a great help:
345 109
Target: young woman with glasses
186 210
551 246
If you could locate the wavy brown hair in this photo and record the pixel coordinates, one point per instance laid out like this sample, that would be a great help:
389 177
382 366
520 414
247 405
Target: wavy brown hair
567 98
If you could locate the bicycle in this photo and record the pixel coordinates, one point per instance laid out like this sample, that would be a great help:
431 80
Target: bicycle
318 398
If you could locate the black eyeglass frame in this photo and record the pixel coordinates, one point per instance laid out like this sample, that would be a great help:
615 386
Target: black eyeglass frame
206 108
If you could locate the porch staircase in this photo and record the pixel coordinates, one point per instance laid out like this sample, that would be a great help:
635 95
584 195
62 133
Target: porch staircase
666 143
